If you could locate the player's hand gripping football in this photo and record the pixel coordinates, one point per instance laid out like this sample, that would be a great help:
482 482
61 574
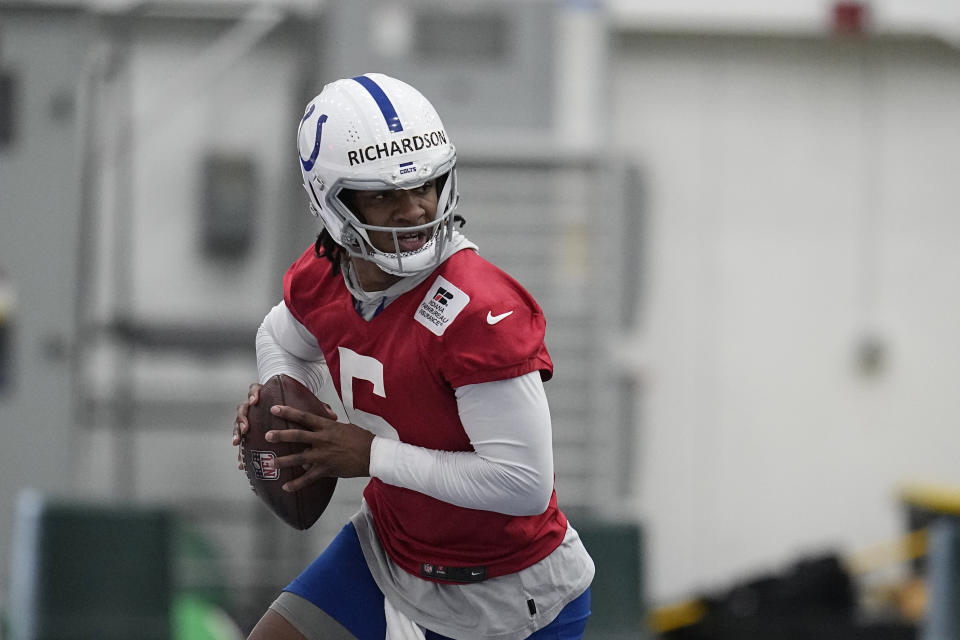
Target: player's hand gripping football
334 449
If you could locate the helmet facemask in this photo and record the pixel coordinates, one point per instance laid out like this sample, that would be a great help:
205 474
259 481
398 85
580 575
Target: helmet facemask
355 239
375 133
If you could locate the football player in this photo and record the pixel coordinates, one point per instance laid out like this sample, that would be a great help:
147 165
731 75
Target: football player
439 360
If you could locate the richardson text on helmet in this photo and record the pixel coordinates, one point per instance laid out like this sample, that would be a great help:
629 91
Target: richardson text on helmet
394 147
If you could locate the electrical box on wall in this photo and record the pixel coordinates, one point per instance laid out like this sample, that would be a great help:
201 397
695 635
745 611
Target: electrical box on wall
229 205
488 67
7 108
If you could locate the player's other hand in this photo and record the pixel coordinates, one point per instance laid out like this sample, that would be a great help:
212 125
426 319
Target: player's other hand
241 425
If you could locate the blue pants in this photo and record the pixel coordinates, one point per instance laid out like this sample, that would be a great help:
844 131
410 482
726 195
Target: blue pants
340 584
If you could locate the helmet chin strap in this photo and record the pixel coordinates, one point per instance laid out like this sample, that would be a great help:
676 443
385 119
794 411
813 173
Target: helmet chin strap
394 263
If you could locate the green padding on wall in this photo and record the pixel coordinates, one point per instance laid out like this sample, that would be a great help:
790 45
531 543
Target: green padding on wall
90 572
617 590
198 619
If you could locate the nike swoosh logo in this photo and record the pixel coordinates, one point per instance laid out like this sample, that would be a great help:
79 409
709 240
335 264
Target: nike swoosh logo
492 319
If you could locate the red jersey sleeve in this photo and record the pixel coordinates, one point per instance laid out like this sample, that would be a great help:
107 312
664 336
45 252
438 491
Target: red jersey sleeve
498 335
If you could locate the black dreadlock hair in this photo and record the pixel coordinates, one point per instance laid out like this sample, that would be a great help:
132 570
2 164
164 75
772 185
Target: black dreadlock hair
325 247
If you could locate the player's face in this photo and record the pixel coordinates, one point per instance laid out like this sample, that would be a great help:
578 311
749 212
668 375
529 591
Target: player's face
398 208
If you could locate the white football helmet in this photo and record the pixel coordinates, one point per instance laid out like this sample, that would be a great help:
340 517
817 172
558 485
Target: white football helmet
374 132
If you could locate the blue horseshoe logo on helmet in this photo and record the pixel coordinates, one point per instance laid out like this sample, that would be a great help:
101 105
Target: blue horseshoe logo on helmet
308 164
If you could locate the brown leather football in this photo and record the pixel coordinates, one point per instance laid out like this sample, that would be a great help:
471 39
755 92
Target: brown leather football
299 509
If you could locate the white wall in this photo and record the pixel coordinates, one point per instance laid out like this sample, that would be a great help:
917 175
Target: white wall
939 17
802 196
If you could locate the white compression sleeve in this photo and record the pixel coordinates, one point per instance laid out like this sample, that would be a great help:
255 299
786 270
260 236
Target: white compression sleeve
286 346
511 468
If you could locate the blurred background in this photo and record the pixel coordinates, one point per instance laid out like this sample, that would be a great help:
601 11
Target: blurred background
741 219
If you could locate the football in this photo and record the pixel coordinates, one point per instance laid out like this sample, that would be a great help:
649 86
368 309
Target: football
299 509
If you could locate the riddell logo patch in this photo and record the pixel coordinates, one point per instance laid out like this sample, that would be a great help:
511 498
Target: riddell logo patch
265 465
442 304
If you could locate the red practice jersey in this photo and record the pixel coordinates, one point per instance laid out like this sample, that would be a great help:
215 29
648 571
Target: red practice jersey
468 322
